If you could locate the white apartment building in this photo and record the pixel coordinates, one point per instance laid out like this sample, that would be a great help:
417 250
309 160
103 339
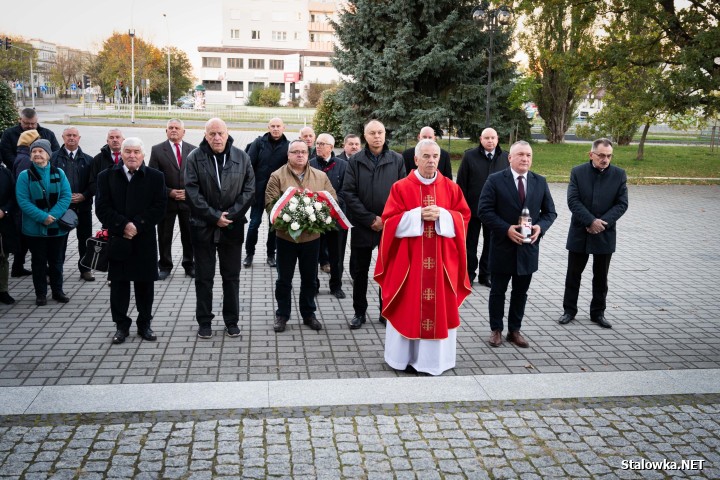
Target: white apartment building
269 44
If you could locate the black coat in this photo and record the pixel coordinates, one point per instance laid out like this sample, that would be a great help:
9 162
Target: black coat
77 172
141 202
499 208
22 161
366 188
266 157
164 158
8 235
594 194
474 171
9 142
444 165
336 174
102 161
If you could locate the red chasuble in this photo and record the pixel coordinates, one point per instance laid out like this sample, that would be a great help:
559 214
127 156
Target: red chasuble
424 279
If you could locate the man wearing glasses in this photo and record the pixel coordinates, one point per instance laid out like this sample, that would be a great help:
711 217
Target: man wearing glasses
597 197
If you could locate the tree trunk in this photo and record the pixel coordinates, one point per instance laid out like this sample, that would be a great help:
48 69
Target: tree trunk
641 145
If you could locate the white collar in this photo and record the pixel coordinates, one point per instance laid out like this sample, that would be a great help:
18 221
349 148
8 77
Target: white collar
425 181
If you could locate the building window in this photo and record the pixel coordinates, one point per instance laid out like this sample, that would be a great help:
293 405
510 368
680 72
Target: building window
312 37
279 86
233 86
215 85
235 33
255 34
211 62
234 63
256 63
296 36
279 36
254 86
277 64
319 63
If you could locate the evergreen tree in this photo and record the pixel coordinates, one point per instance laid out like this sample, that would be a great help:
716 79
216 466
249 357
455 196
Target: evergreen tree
327 118
421 62
8 111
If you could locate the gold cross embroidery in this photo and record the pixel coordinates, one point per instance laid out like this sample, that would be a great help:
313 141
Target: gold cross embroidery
429 263
429 231
428 294
428 200
428 324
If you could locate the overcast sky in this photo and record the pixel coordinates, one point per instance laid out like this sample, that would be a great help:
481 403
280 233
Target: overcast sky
85 24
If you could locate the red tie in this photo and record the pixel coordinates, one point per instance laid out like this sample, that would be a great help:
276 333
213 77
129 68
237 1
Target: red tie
179 156
521 190
116 157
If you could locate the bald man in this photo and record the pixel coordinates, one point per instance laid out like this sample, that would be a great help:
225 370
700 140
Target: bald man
444 167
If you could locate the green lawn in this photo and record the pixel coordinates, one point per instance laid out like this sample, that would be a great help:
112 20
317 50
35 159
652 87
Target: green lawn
555 161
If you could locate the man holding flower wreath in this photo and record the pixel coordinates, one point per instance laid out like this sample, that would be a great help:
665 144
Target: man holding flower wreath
301 214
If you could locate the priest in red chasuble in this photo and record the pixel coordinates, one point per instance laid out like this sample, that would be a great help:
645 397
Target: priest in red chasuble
421 266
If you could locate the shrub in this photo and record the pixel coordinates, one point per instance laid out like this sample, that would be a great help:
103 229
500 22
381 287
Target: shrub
8 111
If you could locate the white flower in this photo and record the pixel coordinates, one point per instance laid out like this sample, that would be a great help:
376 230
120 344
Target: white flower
292 207
295 226
293 200
318 206
307 200
286 217
309 210
312 217
328 220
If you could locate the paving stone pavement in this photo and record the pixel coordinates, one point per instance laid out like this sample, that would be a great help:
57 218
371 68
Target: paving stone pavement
610 438
663 304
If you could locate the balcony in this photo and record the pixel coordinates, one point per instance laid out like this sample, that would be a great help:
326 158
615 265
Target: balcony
324 7
321 46
320 27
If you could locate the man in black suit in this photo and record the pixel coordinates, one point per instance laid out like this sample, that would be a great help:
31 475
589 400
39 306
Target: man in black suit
130 202
597 197
476 165
503 197
444 166
351 145
168 158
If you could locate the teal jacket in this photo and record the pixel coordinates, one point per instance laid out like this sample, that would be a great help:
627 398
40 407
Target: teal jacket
33 203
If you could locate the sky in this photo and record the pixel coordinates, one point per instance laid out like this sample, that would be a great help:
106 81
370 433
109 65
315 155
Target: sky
85 24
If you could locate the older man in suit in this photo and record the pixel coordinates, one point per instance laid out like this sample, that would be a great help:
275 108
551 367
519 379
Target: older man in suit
503 197
168 157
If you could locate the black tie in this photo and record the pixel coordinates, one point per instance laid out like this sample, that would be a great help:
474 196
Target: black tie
71 155
489 155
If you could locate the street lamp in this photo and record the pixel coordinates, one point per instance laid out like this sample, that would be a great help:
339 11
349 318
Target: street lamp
167 25
131 32
30 53
491 18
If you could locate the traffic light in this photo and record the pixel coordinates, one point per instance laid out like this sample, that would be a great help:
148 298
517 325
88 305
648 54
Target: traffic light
86 81
8 43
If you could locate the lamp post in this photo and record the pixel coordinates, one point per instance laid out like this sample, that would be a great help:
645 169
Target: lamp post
32 75
167 25
491 18
131 32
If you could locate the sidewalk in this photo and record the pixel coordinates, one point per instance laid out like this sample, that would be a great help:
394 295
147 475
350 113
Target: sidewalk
307 404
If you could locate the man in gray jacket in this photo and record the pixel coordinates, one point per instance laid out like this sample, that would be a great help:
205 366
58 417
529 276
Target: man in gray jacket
369 176
219 187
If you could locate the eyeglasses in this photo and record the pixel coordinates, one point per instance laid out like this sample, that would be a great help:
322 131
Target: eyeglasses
603 156
323 144
299 152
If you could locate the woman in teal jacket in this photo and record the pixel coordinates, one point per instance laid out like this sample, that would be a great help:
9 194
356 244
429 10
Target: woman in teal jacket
43 194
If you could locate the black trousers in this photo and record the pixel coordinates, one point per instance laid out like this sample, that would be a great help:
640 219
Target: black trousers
257 212
360 258
305 255
518 298
22 245
166 229
120 302
471 242
48 257
83 232
576 265
335 241
230 257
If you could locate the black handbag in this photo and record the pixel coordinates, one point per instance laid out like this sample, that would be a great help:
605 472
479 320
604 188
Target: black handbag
97 255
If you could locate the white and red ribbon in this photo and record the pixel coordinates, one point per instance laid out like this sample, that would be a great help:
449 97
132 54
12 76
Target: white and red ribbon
282 201
335 210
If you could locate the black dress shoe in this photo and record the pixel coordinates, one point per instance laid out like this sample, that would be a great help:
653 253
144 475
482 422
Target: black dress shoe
163 274
382 320
6 298
41 300
271 261
312 322
23 272
280 322
87 276
147 334
484 282
357 322
566 318
119 337
338 293
247 263
190 272
60 297
601 321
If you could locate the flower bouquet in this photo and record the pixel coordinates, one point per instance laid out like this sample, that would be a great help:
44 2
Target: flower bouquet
298 211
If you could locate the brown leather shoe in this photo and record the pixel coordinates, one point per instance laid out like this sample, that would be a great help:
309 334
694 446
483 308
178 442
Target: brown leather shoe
495 338
517 339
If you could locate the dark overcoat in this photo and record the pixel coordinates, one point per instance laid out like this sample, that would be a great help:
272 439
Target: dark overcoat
474 171
163 158
141 202
594 194
500 207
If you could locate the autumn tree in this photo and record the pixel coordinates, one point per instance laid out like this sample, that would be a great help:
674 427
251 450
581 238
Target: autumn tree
68 68
15 63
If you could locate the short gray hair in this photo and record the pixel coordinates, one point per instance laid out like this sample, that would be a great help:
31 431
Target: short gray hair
175 120
328 138
297 140
519 143
606 142
424 142
133 142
